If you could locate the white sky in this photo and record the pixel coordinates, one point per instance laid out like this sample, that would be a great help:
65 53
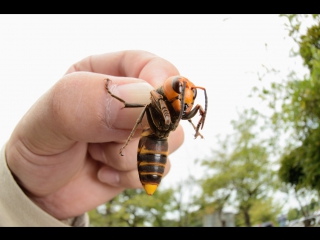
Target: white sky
222 53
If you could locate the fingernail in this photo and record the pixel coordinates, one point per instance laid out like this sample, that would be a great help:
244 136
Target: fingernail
135 92
108 176
132 93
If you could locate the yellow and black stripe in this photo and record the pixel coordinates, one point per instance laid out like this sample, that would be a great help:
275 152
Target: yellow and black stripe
152 158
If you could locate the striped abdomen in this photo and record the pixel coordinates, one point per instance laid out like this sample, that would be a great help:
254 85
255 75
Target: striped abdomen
152 159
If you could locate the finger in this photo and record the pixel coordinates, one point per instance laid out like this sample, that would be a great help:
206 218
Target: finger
78 108
123 179
131 63
175 139
121 171
108 154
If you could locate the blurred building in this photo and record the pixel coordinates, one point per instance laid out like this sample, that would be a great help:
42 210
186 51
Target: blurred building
212 220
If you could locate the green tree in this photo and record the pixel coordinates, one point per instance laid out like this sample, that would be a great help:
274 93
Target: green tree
187 204
217 188
134 208
291 173
299 113
293 214
266 210
295 104
242 173
172 207
121 211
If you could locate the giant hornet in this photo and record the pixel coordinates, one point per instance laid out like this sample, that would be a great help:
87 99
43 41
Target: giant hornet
170 103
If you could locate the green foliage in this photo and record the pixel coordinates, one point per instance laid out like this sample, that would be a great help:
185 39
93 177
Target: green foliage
299 112
293 214
310 47
134 208
291 170
295 21
265 210
243 171
295 104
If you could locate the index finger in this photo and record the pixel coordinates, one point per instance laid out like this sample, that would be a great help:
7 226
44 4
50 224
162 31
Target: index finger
130 63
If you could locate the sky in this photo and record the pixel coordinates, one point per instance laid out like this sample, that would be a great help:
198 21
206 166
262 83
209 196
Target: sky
223 53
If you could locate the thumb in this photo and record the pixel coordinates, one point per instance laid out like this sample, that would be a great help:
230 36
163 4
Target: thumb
79 108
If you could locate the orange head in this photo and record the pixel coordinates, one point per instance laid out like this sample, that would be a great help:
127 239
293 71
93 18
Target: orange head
173 88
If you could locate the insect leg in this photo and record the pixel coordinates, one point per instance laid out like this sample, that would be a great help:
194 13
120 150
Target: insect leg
202 112
194 127
139 120
182 104
191 114
126 105
161 105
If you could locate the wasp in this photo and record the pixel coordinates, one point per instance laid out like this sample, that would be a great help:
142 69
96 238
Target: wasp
170 103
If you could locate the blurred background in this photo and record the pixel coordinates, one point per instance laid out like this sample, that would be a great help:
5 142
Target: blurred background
259 161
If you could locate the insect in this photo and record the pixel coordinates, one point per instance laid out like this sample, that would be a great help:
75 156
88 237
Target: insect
170 103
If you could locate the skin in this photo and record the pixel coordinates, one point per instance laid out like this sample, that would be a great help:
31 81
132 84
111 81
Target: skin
64 153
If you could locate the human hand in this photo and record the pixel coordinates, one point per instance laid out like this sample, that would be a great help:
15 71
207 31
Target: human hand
64 153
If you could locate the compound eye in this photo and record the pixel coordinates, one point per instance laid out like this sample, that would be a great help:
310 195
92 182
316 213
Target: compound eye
176 85
194 93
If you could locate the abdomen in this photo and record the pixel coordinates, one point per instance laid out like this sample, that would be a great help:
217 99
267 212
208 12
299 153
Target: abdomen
152 159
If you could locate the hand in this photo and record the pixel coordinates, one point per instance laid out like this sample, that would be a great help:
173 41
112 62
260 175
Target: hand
64 153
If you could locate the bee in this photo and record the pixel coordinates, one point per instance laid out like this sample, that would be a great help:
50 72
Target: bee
170 103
